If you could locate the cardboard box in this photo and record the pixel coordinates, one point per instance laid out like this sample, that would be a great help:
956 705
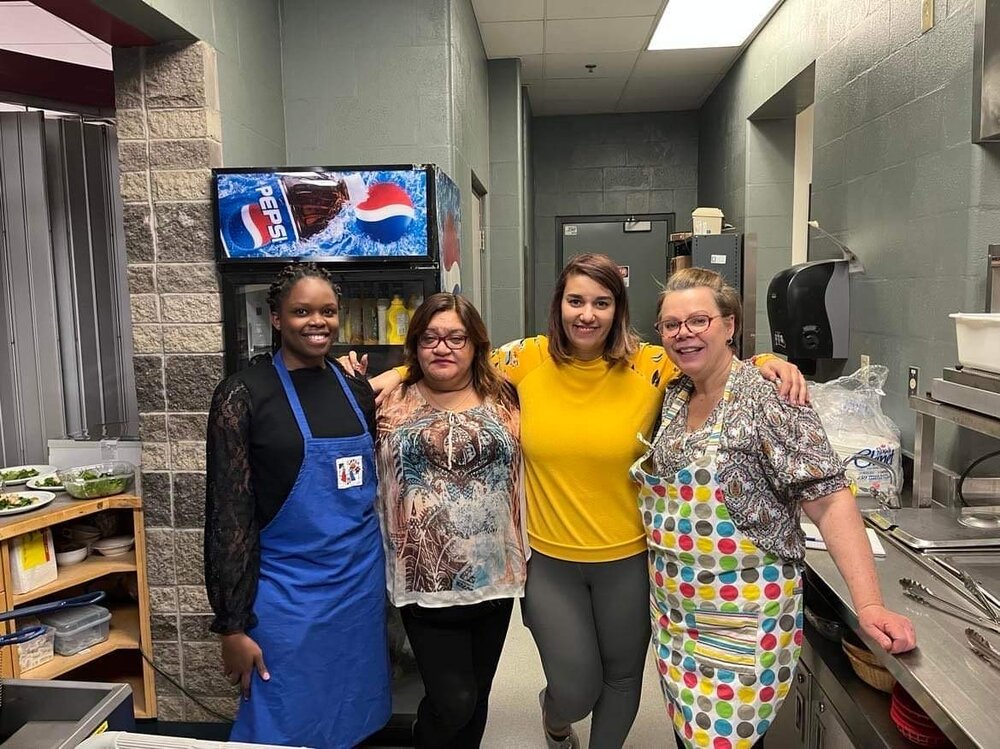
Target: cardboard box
706 221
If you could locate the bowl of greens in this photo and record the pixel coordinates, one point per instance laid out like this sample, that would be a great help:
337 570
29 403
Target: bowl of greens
98 480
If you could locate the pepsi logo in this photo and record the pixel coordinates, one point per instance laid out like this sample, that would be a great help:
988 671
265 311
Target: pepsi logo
387 212
258 224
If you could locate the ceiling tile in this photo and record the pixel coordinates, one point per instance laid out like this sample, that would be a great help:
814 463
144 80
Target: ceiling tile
548 108
601 8
609 65
684 62
683 85
509 10
512 39
597 35
532 68
32 25
661 104
579 88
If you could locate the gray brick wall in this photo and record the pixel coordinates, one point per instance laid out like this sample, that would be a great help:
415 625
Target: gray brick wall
248 54
507 202
605 165
895 175
169 139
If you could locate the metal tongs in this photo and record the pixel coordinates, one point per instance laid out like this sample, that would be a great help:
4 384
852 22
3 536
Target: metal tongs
922 594
982 647
972 585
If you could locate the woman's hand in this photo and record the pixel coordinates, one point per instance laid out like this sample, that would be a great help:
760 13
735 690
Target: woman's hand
892 631
792 385
353 365
384 384
240 656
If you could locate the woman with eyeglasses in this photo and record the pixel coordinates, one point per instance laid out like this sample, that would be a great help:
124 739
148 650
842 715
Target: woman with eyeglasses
586 390
451 500
720 494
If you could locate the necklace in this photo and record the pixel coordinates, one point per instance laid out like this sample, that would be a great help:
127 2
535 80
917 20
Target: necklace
452 412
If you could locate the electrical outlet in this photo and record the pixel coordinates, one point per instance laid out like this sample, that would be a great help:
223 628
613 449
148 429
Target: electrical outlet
865 361
926 15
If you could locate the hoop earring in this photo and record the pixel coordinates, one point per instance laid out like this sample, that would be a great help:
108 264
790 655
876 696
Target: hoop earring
729 342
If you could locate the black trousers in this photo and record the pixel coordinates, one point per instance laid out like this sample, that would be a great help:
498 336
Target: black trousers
457 649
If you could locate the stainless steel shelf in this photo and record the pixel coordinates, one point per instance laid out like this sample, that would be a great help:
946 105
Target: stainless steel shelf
989 425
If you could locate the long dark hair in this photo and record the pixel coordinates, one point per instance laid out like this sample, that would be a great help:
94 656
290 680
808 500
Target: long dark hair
487 381
622 341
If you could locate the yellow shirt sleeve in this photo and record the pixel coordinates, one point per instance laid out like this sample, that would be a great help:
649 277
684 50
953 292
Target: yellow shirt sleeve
517 359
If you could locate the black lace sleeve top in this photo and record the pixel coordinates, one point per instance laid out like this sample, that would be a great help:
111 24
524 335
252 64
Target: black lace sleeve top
254 453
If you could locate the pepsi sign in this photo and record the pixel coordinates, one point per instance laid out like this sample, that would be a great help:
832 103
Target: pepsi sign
322 214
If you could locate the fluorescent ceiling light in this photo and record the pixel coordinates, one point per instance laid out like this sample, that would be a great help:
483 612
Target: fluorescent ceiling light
693 24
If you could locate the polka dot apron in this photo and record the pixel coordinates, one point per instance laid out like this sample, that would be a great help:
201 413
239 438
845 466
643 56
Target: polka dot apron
727 617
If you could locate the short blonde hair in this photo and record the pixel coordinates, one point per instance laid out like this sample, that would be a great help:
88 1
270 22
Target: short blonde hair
727 299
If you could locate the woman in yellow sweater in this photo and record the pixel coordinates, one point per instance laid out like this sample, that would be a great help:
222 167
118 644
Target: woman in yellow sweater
587 389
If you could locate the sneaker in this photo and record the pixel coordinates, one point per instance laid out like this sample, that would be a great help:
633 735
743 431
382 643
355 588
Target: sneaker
569 741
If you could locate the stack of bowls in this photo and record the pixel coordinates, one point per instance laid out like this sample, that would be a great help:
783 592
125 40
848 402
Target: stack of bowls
913 723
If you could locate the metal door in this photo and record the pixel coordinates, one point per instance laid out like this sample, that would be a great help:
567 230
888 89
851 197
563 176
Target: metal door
637 243
828 727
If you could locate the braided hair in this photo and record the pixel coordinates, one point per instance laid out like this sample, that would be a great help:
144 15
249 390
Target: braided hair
291 275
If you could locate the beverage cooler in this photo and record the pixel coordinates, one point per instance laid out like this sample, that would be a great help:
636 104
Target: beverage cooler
389 236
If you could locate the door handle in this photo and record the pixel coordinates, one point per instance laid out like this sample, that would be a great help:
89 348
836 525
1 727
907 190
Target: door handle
800 723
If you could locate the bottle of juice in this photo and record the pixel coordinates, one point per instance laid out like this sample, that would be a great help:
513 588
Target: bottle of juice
382 307
369 308
413 302
397 320
356 313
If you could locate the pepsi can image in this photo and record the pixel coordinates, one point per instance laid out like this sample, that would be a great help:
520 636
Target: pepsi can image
251 220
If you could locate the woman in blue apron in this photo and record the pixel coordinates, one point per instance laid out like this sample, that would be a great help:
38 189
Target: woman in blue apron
294 564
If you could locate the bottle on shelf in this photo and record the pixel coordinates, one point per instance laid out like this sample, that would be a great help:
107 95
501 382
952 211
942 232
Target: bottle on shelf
397 321
344 333
369 309
382 308
356 312
413 302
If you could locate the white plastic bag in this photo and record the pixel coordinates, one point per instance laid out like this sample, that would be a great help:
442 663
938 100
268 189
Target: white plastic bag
863 436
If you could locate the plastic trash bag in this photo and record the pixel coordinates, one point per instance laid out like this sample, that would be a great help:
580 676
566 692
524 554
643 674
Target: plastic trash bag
866 440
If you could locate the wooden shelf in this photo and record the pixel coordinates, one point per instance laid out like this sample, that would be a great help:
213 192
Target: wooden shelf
121 667
61 509
124 634
92 568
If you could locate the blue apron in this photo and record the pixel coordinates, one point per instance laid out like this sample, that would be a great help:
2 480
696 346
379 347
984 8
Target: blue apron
320 600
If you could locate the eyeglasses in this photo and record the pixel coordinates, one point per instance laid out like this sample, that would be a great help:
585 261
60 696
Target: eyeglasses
453 341
695 324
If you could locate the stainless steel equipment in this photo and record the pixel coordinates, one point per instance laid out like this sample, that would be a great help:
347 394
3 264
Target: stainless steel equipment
971 389
61 714
928 528
993 278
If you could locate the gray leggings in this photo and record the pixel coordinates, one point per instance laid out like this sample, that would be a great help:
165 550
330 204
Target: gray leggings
590 622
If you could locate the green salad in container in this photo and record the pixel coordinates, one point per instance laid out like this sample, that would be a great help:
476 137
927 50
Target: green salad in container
99 480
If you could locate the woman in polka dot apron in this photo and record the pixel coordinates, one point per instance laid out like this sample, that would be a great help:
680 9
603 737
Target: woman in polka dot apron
719 493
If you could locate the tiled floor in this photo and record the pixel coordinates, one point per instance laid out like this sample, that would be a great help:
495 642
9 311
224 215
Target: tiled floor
515 722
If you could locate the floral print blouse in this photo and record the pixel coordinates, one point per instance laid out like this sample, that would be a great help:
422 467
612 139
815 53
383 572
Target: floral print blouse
451 501
773 456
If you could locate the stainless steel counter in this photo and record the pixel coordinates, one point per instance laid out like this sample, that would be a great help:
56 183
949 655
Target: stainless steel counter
957 690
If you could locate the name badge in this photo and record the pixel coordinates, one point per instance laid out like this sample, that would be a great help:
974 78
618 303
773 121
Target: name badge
350 472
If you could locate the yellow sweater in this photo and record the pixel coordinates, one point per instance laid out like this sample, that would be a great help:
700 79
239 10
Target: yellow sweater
579 427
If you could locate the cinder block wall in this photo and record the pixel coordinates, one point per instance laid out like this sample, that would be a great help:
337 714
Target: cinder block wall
895 174
606 165
169 137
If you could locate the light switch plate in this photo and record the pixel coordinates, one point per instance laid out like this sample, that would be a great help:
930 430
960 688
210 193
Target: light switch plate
865 361
926 15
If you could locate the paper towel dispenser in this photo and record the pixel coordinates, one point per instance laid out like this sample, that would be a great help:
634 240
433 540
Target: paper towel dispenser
808 309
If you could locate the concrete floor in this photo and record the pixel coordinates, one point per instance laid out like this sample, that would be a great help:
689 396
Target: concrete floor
515 720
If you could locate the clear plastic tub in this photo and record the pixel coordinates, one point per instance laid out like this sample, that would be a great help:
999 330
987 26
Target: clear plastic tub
38 651
78 628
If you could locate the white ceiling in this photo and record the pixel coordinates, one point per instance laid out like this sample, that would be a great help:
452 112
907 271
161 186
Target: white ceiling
26 28
557 39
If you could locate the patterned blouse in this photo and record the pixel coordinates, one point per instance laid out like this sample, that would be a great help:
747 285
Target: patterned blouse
773 456
451 501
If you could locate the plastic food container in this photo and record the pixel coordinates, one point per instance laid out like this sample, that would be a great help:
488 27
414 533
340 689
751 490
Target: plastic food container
97 480
978 340
79 628
35 652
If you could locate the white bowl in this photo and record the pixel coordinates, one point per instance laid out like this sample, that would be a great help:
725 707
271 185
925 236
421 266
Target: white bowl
66 558
114 546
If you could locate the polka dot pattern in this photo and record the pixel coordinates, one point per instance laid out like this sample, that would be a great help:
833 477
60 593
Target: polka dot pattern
714 589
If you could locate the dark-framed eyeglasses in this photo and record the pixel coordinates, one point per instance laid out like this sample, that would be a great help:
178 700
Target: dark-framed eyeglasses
453 341
695 324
